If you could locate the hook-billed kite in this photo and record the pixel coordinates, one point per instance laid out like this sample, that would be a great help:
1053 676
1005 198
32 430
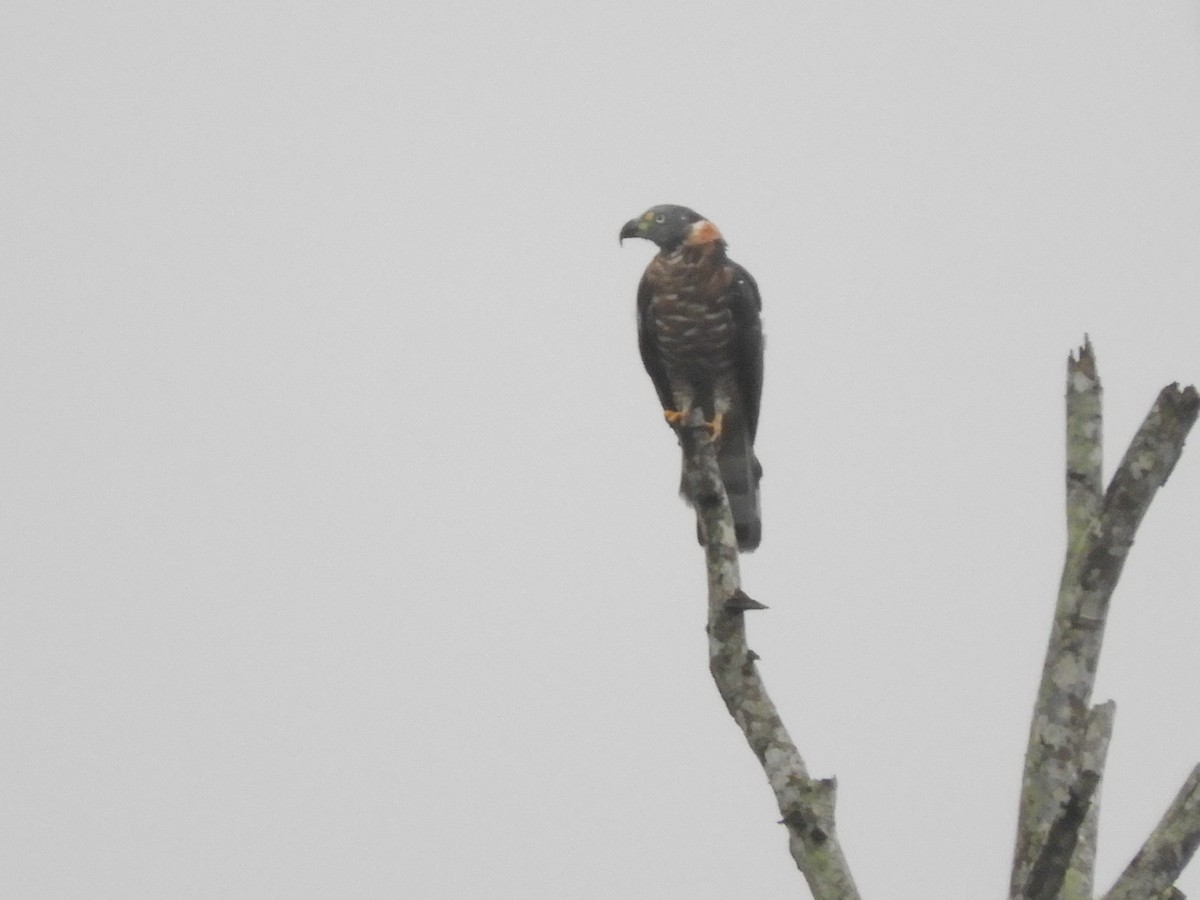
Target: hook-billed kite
700 334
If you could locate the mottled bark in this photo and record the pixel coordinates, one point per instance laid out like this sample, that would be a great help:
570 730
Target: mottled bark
1077 882
1055 850
1100 531
1050 869
1153 871
806 804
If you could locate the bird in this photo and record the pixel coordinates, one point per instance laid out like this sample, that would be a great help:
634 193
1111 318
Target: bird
699 321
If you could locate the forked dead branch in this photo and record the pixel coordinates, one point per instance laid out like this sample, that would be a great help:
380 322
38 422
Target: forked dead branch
1058 811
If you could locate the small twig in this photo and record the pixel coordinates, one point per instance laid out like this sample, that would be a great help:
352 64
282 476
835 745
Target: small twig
806 804
1085 457
1163 856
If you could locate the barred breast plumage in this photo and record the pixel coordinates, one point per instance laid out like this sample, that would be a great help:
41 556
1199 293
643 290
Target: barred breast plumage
690 315
700 336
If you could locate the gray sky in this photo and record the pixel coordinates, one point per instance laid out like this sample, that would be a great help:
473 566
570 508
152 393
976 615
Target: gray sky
343 556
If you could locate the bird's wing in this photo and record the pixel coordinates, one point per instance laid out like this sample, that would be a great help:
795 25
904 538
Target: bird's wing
651 353
745 304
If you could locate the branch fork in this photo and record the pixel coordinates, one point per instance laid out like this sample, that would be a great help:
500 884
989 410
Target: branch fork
1068 737
1055 849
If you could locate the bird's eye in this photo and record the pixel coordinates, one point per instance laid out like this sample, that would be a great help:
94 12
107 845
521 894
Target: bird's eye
660 218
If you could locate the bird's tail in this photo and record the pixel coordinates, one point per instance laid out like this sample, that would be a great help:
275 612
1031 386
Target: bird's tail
741 472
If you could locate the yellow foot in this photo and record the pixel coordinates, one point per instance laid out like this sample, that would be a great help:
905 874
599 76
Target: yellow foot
716 426
677 419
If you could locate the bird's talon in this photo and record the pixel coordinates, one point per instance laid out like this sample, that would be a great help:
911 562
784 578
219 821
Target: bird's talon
674 417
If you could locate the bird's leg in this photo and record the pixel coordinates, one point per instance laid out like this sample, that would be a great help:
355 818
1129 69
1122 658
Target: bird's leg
687 414
716 426
675 418
684 418
680 416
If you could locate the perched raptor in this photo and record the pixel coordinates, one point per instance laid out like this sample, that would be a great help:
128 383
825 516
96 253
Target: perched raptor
700 333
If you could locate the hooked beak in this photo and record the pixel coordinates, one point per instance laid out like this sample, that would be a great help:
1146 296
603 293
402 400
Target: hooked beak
632 229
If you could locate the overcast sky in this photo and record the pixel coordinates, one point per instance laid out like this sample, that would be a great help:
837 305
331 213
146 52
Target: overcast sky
342 555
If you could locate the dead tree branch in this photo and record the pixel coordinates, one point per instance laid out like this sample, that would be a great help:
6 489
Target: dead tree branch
1077 881
1153 871
806 804
1050 870
1100 531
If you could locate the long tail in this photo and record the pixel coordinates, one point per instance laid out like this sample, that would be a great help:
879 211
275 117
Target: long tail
741 472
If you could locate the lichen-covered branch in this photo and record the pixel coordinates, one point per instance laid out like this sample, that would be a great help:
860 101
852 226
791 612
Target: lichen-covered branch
1145 468
1153 871
1049 871
1085 456
1100 533
806 804
1077 884
1051 761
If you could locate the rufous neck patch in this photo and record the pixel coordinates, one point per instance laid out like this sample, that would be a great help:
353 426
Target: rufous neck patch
703 232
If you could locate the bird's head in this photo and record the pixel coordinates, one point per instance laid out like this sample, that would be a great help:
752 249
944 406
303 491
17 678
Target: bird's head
671 226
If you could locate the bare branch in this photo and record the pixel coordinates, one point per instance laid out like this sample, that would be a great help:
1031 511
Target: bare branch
1051 760
1077 885
1047 875
1165 853
1099 537
806 804
1085 480
1147 465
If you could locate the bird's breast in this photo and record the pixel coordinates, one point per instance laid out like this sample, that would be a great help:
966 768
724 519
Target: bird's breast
694 330
690 315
